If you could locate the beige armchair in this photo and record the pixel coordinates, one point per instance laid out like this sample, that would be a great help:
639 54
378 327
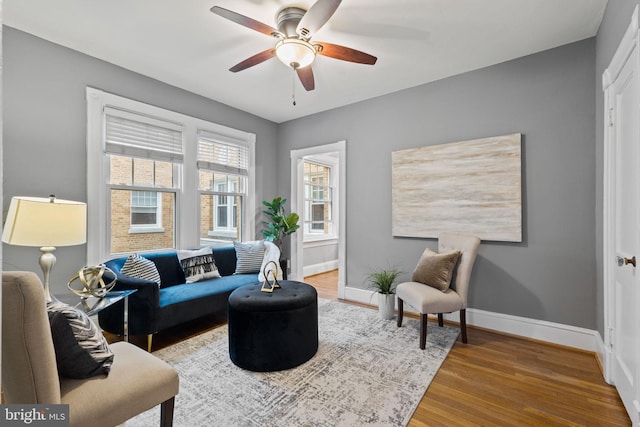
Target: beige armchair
137 381
426 299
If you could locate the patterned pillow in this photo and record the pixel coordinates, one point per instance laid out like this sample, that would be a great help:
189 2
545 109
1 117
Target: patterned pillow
198 265
436 270
141 268
249 256
81 349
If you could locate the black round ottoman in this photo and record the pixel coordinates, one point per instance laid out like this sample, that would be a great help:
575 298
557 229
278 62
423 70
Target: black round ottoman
273 331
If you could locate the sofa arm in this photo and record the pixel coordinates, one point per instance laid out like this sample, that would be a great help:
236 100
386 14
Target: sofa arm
143 306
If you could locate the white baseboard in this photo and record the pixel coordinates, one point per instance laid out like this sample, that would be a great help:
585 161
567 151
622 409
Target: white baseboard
310 270
557 333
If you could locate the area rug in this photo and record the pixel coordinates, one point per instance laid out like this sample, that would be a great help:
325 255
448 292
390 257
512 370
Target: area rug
367 372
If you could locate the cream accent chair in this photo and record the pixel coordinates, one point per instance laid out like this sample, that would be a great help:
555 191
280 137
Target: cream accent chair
137 382
427 300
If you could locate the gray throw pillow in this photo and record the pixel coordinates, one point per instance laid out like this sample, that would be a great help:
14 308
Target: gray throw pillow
436 270
81 349
249 256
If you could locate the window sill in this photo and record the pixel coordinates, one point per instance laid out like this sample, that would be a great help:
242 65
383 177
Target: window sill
320 241
142 230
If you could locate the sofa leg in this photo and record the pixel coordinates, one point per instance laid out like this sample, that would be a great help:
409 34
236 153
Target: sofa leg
440 320
423 330
400 312
149 341
463 325
166 412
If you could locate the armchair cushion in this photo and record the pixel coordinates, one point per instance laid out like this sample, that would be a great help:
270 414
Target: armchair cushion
436 270
141 268
81 349
250 256
198 265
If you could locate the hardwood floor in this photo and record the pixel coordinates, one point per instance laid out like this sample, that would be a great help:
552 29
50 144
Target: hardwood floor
493 380
496 379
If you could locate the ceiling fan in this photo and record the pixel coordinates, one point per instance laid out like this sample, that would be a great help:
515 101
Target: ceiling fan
294 48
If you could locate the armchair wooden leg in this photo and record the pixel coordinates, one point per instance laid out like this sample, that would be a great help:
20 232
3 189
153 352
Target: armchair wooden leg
149 341
166 412
440 320
400 311
423 330
463 325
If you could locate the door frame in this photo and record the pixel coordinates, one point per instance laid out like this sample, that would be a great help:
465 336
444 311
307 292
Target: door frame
297 201
628 50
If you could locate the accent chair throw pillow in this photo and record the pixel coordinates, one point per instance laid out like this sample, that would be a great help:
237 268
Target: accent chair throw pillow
249 256
198 265
436 270
141 268
81 349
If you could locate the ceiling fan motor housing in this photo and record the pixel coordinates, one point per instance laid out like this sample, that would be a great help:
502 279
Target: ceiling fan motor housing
288 19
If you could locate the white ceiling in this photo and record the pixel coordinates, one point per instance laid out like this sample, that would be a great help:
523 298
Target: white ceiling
416 41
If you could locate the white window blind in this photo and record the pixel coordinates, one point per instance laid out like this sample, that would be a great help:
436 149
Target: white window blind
136 135
216 154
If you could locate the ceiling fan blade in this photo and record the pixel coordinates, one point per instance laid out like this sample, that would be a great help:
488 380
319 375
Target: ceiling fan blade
254 60
317 15
306 77
344 53
246 21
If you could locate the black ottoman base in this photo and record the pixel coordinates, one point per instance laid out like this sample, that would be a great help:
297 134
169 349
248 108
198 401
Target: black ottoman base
273 331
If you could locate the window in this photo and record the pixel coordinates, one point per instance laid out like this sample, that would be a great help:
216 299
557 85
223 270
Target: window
145 210
223 171
317 206
144 154
143 169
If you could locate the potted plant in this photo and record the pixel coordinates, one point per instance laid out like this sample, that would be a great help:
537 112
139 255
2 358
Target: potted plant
280 224
384 283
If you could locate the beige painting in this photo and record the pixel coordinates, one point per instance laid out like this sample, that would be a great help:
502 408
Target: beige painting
469 186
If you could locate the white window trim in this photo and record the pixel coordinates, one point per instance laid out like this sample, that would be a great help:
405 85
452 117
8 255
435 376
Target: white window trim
187 196
332 164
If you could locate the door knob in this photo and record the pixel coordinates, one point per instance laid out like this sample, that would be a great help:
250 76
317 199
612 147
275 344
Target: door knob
626 261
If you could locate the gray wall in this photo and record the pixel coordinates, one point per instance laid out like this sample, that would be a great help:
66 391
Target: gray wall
549 98
45 130
615 22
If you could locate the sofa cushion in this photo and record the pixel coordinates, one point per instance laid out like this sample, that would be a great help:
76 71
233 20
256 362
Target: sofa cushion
436 270
250 256
198 264
169 267
181 293
81 349
141 268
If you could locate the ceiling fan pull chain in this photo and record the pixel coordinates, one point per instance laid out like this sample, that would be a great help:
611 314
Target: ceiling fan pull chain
293 86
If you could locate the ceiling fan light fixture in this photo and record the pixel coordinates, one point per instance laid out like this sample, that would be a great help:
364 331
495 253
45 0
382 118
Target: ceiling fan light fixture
295 53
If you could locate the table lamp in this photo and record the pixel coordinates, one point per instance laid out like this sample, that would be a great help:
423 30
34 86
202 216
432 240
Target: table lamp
47 223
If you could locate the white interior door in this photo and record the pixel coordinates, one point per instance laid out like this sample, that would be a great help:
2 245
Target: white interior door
622 141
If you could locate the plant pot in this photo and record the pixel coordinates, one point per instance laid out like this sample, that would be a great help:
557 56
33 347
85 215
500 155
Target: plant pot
386 304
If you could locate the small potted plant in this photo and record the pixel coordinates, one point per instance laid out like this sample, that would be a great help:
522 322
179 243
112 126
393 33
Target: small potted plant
384 283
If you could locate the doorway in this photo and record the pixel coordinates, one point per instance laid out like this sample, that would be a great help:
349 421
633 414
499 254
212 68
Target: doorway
621 84
322 207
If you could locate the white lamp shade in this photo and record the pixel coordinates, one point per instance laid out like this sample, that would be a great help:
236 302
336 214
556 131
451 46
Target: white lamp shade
36 221
295 53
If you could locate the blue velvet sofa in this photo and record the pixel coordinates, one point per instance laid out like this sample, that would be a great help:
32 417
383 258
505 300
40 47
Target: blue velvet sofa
153 308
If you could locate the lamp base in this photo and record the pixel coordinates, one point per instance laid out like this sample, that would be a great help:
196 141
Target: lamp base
47 261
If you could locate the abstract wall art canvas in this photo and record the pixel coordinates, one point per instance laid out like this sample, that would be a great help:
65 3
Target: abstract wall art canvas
469 186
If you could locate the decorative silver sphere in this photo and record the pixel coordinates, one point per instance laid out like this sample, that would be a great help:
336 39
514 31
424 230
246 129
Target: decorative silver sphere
92 280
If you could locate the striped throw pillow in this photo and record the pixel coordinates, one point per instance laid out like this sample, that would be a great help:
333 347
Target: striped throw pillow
249 256
141 268
81 349
198 265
